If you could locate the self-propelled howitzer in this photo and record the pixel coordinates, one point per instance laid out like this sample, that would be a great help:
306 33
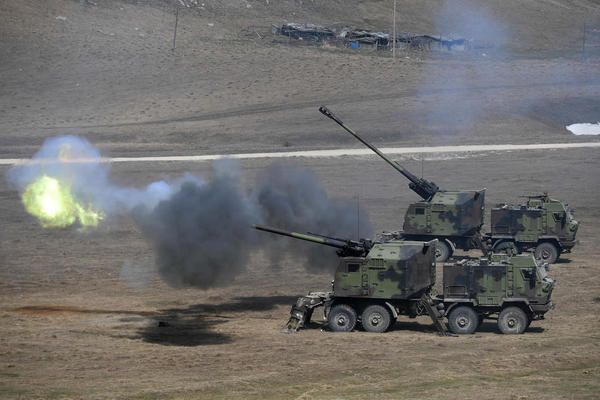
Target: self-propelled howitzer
454 217
373 281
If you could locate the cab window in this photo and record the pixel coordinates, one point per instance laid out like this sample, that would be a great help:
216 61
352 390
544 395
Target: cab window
527 273
557 216
353 267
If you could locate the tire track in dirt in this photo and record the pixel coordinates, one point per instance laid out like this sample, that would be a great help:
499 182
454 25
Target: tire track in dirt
268 108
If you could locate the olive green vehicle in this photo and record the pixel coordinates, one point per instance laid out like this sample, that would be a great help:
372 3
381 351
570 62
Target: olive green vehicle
375 283
456 218
511 288
542 223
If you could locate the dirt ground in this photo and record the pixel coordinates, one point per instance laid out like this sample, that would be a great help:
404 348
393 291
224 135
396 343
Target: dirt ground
73 326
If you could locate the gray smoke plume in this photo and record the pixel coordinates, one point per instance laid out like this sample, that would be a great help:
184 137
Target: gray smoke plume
472 20
201 230
203 233
448 107
293 198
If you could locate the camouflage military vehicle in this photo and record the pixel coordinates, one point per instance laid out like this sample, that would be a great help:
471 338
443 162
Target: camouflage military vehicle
454 217
375 283
514 288
542 223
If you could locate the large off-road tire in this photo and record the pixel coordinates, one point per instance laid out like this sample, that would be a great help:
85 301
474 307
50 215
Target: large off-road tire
512 321
503 246
443 251
463 320
546 252
376 318
341 318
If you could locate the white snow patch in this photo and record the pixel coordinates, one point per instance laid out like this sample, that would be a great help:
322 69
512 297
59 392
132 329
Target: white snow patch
585 129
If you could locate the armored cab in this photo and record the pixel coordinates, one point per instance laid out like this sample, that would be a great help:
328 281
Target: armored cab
455 218
454 215
512 287
392 270
393 278
542 223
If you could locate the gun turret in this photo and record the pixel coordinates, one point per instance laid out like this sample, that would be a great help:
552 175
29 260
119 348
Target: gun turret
424 188
346 248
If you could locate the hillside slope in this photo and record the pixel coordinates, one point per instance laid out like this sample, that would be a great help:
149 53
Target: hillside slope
106 70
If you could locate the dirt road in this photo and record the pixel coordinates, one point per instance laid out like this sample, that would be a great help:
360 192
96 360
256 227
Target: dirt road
340 152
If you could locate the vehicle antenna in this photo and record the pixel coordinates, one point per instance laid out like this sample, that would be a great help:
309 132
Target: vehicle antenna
357 218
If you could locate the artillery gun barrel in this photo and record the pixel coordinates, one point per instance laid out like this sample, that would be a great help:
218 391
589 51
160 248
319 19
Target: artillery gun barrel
422 187
346 248
302 236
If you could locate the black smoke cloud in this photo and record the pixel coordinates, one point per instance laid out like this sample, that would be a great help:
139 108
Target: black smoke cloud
203 233
293 198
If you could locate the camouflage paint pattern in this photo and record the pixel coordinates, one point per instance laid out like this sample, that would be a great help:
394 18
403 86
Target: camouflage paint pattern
541 218
501 279
391 270
441 214
447 213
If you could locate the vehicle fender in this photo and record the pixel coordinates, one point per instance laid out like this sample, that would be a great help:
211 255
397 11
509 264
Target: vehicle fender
548 238
551 239
498 241
392 309
327 307
522 302
451 244
455 304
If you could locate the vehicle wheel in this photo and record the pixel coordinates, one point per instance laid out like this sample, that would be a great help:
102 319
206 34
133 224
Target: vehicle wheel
512 320
503 246
376 318
463 320
546 252
442 251
341 318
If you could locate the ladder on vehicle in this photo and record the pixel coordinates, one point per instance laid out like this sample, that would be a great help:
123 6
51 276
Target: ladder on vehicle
436 314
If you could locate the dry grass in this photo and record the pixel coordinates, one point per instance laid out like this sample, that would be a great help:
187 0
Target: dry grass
70 327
